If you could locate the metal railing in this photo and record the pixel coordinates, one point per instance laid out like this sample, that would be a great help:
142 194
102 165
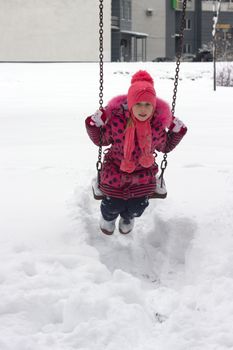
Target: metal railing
115 22
190 5
207 5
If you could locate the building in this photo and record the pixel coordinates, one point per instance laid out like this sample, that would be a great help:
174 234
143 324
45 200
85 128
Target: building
199 24
53 30
149 16
138 29
149 29
125 40
134 30
224 33
192 29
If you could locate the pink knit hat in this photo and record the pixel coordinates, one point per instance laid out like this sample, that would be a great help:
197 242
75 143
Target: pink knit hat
141 89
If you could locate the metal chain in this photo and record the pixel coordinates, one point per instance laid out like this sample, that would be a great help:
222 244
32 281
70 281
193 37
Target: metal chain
177 71
101 56
178 56
101 83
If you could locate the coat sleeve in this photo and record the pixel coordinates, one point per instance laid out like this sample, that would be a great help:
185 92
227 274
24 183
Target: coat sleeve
170 139
94 133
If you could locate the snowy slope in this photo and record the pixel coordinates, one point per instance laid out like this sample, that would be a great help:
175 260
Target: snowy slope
64 285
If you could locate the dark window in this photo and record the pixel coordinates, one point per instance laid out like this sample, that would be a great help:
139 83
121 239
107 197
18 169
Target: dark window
187 48
187 24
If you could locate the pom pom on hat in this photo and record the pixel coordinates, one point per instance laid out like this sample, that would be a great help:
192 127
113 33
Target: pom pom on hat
141 89
142 75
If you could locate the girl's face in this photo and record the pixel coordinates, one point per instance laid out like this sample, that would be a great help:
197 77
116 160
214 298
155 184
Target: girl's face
142 110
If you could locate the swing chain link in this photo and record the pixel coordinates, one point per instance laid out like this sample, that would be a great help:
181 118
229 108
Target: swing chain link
178 56
177 71
164 162
163 167
101 84
101 56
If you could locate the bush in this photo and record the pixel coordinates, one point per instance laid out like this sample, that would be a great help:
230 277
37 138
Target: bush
224 75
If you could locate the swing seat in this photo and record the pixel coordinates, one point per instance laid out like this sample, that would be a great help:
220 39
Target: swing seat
160 191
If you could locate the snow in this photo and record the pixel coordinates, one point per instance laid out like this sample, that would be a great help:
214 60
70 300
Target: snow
63 284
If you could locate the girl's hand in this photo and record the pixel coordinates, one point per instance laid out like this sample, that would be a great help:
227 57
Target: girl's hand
98 118
177 125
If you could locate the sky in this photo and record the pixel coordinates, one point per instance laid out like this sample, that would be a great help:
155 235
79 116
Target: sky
63 284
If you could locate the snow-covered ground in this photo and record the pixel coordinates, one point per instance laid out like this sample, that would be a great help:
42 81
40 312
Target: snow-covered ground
63 284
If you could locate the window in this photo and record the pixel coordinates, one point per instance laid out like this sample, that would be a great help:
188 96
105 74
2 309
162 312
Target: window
126 10
187 24
187 48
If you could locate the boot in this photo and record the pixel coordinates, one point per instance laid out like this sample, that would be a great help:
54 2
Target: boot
107 227
126 225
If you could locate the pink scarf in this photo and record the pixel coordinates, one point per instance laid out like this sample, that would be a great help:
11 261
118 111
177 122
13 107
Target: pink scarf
144 136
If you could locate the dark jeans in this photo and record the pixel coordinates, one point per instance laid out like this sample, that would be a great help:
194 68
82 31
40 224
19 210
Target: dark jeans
112 207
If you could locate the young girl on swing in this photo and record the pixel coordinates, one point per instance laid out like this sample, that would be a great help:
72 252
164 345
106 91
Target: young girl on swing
134 126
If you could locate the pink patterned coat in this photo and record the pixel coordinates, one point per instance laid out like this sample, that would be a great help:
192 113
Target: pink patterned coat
142 181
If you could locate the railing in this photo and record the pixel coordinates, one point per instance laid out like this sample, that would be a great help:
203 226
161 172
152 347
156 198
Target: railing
207 5
189 5
230 4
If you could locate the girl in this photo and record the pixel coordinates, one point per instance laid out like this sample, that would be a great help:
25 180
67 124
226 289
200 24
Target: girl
134 126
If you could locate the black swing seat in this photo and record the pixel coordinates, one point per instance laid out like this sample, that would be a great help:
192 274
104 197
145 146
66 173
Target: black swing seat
160 191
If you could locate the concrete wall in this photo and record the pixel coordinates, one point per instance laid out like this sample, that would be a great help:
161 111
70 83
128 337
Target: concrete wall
53 30
153 25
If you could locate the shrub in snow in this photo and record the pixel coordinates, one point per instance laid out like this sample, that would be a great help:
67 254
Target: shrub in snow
225 75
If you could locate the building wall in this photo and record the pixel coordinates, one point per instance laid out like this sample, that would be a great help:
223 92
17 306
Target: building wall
225 16
207 26
192 35
170 30
115 32
207 23
53 30
153 25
